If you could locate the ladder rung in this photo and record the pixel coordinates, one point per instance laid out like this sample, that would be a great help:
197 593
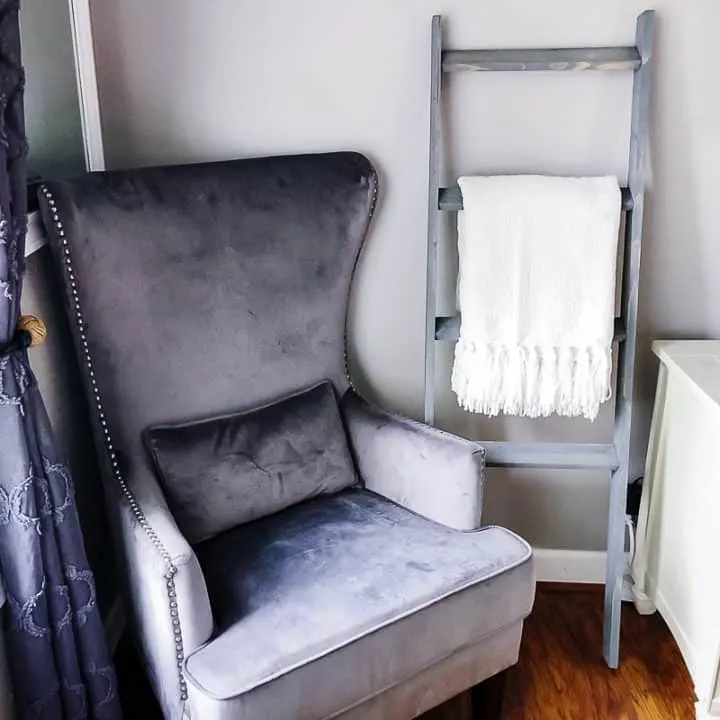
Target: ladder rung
450 199
448 328
555 59
551 455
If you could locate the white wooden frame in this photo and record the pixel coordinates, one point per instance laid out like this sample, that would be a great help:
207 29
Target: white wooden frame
88 98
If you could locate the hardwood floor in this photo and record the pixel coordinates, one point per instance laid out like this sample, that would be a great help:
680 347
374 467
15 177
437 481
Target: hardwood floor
561 674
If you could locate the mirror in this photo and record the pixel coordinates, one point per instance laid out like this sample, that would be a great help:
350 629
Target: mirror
52 114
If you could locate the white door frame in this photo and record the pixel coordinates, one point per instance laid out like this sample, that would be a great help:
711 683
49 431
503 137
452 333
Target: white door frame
88 99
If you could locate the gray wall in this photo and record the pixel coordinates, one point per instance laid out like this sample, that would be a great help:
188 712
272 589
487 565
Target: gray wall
180 82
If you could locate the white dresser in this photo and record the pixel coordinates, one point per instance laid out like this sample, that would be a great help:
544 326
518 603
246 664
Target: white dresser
676 568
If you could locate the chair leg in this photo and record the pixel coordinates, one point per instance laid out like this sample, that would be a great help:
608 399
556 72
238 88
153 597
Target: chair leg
486 699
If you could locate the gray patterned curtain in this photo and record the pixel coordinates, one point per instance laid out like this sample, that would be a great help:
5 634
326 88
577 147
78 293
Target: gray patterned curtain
59 663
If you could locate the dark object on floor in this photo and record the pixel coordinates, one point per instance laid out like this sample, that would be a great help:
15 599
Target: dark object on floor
560 676
633 498
136 695
486 699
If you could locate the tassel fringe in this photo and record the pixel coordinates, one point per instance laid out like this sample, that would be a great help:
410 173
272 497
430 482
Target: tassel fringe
531 381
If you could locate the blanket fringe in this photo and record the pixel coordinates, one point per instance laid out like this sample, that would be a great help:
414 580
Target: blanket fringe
531 381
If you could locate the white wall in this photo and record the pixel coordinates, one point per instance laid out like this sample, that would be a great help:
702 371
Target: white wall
184 81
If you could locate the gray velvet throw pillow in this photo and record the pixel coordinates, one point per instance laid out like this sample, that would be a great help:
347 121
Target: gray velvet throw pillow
223 472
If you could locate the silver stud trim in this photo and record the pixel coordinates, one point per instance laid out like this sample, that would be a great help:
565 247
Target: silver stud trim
170 568
373 204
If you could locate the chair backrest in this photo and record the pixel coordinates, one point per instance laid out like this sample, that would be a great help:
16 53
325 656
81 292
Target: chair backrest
201 289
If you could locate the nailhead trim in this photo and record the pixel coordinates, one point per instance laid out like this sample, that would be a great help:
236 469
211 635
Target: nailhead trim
170 568
373 203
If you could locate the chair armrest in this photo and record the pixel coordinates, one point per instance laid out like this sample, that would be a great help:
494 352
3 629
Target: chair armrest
427 470
147 571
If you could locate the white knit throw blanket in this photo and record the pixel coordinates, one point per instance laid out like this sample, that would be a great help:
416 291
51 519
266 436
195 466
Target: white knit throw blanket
536 293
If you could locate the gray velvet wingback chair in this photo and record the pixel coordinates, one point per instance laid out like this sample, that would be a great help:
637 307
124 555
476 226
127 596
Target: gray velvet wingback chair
196 292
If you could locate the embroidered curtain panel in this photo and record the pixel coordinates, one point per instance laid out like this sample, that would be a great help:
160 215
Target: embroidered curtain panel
59 663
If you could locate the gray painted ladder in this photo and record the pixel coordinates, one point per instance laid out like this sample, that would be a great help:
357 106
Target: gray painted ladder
615 456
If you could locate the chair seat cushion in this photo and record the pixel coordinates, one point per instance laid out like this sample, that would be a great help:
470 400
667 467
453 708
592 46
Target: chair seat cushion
300 589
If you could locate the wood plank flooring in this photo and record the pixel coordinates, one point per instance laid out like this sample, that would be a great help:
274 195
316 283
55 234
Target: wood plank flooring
561 674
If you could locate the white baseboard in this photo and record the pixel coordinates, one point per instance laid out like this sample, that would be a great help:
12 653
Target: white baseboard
570 566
